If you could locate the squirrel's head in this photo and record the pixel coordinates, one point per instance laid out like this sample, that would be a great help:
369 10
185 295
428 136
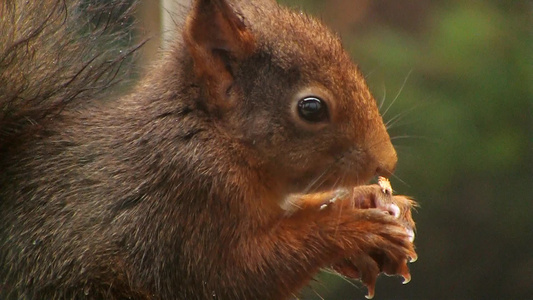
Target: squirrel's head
280 84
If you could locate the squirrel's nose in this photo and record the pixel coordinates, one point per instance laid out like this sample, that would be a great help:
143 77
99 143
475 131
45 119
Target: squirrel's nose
386 159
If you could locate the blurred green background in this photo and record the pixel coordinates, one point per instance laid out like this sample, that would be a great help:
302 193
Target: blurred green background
456 82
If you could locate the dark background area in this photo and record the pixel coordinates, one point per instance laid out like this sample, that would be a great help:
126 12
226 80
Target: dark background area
456 82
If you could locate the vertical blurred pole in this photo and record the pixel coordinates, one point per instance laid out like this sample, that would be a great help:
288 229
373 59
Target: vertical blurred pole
149 27
172 15
157 22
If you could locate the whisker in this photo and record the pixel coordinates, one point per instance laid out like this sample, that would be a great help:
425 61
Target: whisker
312 183
383 98
336 183
317 184
431 140
402 147
329 271
367 75
313 186
295 296
319 296
401 137
402 181
291 205
340 210
402 124
318 284
399 92
394 120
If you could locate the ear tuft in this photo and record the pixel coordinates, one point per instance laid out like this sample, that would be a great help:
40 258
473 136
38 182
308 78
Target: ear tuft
217 38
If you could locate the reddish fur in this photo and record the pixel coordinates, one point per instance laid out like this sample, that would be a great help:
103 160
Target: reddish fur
175 190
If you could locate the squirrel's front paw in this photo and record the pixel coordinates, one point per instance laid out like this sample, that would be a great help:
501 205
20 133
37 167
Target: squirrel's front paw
385 229
377 196
368 263
386 248
380 197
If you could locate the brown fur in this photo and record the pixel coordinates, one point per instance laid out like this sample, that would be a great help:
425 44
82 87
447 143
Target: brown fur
174 191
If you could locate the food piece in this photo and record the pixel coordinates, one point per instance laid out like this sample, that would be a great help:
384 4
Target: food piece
384 183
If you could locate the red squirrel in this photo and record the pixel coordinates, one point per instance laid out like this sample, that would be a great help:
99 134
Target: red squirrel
234 169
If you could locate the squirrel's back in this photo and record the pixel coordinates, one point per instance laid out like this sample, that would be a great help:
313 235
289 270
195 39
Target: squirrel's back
56 53
56 57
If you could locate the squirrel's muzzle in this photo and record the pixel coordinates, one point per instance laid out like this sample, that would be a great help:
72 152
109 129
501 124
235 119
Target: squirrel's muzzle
384 154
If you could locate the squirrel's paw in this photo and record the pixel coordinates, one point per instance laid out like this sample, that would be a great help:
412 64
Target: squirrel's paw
376 196
387 248
385 221
380 197
390 246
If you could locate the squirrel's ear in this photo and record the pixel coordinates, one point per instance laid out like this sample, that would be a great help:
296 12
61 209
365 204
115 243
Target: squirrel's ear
217 38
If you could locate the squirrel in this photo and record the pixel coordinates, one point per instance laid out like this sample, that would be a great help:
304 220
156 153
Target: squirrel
234 169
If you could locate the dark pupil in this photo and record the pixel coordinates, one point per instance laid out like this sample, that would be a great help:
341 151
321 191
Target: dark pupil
312 109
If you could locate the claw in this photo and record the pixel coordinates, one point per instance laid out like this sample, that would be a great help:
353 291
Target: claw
371 291
404 272
406 278
410 234
413 257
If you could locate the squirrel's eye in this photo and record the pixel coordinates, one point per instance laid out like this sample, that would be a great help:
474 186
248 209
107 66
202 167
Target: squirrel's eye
313 109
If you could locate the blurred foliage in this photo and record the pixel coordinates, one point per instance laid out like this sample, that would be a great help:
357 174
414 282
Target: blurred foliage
456 78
